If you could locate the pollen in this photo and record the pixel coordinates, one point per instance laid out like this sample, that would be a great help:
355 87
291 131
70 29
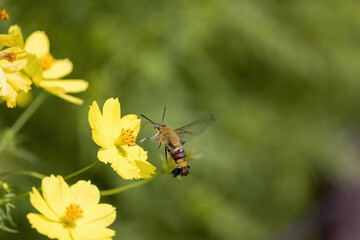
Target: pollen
73 213
47 61
9 56
4 15
126 138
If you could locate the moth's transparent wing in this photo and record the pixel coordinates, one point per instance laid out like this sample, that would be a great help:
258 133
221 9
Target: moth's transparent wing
187 132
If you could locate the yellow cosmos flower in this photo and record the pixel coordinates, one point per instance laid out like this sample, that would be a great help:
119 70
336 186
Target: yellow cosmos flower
13 39
117 138
12 82
46 71
69 213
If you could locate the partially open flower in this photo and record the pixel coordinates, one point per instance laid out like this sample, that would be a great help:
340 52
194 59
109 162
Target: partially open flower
46 71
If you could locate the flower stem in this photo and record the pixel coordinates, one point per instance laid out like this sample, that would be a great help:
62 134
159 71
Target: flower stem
15 198
129 186
24 172
22 120
81 170
41 176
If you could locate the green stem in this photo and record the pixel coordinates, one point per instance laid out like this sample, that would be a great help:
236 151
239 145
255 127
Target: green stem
129 186
15 198
22 120
81 170
24 172
38 175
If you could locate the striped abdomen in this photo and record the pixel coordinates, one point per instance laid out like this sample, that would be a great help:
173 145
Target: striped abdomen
178 154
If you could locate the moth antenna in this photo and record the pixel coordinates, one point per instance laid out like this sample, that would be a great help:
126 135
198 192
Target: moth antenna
162 120
148 119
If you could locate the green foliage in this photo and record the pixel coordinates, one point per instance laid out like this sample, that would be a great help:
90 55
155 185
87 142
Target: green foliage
5 210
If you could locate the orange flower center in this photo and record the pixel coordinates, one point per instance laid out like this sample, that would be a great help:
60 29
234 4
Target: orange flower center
73 213
4 15
126 138
9 56
47 60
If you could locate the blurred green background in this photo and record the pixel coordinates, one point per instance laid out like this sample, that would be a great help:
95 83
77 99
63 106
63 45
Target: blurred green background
281 77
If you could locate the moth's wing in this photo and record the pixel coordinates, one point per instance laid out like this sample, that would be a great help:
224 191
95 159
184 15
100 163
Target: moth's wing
187 132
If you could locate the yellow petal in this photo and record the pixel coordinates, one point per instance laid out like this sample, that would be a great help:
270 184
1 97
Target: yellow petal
56 193
139 156
58 69
47 227
102 214
146 169
91 232
101 134
66 86
68 98
86 195
6 91
13 39
123 167
124 164
61 87
37 43
18 81
33 69
11 98
143 155
15 31
111 116
136 153
39 203
18 64
131 122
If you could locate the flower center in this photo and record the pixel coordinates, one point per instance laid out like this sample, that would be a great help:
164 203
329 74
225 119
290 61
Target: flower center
47 60
4 15
126 138
9 56
73 213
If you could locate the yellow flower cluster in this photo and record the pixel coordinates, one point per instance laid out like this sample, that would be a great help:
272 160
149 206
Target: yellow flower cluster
70 212
23 64
73 212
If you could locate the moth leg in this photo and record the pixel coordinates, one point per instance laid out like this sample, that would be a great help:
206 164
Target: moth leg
153 139
166 154
148 139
